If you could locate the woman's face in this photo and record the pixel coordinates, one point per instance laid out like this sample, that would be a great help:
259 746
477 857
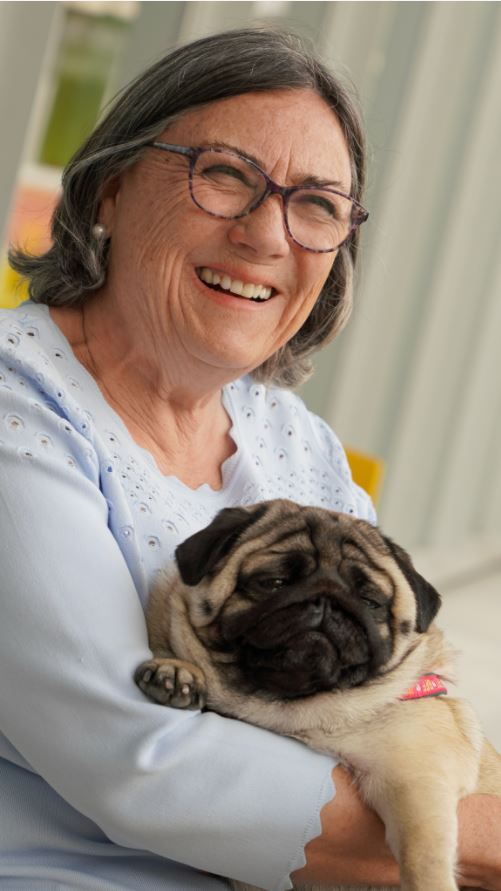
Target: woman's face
160 240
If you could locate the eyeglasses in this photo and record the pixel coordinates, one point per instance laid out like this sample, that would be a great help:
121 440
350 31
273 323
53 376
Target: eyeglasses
226 184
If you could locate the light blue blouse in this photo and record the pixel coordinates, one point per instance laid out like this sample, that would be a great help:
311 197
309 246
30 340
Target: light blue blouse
99 788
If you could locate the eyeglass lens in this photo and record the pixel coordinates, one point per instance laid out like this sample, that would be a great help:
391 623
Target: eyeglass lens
229 186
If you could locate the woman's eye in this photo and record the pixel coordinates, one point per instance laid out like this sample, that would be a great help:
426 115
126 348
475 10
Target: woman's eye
319 205
221 172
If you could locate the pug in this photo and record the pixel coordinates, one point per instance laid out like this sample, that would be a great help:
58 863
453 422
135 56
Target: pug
315 625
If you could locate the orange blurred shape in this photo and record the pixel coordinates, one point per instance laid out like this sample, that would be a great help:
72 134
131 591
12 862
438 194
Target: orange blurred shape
28 228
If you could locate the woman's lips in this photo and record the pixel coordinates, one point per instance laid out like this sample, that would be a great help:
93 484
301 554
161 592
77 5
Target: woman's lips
224 282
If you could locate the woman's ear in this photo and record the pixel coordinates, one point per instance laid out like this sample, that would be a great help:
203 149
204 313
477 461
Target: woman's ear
110 195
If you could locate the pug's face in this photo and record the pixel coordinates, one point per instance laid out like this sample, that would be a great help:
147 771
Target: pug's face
298 599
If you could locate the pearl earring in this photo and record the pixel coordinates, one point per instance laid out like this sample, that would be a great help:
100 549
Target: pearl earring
99 232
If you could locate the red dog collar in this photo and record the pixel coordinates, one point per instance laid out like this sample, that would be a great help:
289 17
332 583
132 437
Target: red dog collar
426 685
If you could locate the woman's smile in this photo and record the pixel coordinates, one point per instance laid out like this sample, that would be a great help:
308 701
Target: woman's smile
235 285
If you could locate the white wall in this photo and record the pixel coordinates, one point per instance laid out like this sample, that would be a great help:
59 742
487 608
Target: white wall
417 376
27 32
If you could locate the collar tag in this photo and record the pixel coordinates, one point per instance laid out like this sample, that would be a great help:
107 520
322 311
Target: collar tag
426 685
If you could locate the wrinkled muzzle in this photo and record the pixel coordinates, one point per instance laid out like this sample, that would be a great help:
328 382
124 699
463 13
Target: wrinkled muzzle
298 649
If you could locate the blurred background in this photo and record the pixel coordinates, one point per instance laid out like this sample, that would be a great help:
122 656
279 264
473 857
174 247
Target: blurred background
415 379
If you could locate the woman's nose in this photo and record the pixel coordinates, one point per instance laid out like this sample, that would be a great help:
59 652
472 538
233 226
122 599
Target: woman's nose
263 230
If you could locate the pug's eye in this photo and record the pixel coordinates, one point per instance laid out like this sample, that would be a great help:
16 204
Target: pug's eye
272 584
372 604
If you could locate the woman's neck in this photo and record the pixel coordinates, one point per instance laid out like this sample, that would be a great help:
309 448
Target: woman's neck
176 415
128 357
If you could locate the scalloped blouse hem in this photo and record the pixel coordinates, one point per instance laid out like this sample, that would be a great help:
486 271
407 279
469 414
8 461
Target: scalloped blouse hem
312 830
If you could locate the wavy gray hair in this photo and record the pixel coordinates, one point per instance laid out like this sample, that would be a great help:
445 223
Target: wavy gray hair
204 71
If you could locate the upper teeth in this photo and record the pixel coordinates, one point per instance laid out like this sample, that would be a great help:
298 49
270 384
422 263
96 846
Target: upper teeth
211 277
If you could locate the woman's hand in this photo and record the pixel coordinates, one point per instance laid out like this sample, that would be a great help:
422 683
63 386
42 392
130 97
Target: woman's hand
352 847
480 842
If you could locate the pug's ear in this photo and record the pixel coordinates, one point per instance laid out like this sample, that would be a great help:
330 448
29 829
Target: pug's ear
428 600
200 552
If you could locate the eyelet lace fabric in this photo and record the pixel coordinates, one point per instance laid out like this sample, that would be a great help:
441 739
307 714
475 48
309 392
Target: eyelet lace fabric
52 413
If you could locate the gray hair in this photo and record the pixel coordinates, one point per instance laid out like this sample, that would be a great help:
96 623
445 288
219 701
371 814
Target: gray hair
204 71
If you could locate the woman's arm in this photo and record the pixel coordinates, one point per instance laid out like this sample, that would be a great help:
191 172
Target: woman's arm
352 847
480 841
216 794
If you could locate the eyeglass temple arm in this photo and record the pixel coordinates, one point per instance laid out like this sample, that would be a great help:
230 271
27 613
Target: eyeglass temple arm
178 149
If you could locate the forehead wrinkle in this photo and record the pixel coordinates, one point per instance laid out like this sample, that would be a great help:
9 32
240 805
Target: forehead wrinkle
276 554
258 536
263 560
275 513
315 150
384 582
300 178
376 573
324 532
269 545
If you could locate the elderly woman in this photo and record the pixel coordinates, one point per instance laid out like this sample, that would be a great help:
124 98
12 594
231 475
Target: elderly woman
203 247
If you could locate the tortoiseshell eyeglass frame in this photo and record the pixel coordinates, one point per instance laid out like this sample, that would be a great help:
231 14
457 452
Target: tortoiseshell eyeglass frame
360 215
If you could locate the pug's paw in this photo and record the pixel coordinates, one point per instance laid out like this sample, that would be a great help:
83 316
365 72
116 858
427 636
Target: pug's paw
172 682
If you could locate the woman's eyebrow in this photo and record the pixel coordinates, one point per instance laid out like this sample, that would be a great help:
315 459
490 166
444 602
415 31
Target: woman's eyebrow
300 179
308 179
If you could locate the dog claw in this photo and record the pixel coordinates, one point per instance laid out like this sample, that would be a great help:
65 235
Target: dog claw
172 682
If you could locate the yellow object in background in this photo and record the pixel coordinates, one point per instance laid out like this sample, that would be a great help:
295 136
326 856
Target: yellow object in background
28 228
13 289
367 472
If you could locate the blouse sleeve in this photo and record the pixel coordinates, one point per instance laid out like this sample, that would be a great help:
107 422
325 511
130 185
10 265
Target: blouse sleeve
210 792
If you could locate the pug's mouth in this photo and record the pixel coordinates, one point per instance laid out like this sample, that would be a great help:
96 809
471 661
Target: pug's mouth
303 649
